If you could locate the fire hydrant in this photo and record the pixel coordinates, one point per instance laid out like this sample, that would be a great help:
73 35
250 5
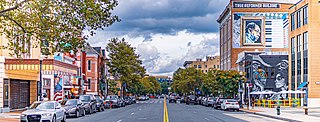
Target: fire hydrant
278 110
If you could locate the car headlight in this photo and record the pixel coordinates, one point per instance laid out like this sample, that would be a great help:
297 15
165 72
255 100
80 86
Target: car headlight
23 115
47 115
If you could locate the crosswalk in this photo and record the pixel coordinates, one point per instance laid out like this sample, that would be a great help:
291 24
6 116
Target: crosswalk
150 102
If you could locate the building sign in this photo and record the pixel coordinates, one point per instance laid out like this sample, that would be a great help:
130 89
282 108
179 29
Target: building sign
255 5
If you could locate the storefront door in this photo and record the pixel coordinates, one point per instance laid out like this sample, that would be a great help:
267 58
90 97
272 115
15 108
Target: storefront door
19 94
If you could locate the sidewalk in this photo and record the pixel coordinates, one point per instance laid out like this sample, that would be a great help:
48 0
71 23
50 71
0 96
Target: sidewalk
14 114
286 114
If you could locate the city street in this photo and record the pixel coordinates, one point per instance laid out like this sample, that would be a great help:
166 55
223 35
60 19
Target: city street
152 111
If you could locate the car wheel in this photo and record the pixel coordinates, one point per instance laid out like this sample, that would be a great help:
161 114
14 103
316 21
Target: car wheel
64 119
91 111
77 114
54 119
84 113
102 108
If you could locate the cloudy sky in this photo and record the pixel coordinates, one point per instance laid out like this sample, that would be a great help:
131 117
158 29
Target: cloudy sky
166 32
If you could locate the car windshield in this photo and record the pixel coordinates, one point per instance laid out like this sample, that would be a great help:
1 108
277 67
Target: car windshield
34 105
85 98
71 102
192 97
231 101
46 105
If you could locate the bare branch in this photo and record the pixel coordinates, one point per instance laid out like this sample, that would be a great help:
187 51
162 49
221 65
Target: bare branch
14 22
13 8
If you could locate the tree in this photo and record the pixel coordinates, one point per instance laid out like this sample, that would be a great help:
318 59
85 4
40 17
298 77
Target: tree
52 25
187 80
124 64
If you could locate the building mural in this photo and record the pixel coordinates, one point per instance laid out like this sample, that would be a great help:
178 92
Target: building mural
260 28
269 72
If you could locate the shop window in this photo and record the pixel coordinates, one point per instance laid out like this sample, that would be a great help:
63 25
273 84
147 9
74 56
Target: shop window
89 64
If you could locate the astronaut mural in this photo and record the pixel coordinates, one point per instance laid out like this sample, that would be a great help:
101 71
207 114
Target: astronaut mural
269 74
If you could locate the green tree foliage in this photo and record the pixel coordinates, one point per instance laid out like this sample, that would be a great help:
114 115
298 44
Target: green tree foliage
112 87
216 82
53 25
187 80
149 85
124 64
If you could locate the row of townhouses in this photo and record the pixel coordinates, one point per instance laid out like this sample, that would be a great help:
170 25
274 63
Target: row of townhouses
55 77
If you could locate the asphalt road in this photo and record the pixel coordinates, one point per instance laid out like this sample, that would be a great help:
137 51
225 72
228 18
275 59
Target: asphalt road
152 111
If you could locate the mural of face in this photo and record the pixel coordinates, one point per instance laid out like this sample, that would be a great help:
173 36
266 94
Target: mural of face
280 81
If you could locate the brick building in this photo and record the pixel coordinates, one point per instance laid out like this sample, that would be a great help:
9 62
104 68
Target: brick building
204 66
249 25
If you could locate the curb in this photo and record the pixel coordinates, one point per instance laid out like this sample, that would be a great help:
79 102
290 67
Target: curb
270 116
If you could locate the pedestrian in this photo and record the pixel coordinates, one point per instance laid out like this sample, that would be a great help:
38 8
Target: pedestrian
253 100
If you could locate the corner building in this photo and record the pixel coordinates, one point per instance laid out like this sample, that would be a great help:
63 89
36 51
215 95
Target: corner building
304 54
253 25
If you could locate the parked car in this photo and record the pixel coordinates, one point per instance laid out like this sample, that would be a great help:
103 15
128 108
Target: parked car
203 100
142 98
172 99
230 104
99 105
50 111
89 102
182 99
122 102
209 101
133 98
218 102
113 100
191 99
74 107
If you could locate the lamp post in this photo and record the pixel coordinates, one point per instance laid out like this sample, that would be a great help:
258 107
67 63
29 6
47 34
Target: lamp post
240 89
41 84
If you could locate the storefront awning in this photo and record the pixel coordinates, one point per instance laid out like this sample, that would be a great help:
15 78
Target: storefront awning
23 74
302 85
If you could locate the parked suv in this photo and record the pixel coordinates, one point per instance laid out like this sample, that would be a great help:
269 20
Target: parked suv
89 102
113 100
192 99
100 105
218 103
230 104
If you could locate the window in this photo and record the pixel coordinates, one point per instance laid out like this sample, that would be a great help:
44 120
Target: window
305 65
292 45
195 66
206 66
199 66
293 68
89 83
305 15
268 45
268 22
305 41
217 66
214 66
292 22
298 43
298 19
268 39
89 64
299 67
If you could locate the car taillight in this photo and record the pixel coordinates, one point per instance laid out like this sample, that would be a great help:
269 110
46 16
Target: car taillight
227 103
236 103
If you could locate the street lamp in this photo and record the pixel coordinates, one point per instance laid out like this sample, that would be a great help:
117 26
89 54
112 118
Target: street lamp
240 89
41 84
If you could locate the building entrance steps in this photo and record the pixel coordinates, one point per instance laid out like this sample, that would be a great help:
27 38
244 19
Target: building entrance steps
287 114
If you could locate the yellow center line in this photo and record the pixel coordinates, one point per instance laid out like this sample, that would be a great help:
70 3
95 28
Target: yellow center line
165 111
